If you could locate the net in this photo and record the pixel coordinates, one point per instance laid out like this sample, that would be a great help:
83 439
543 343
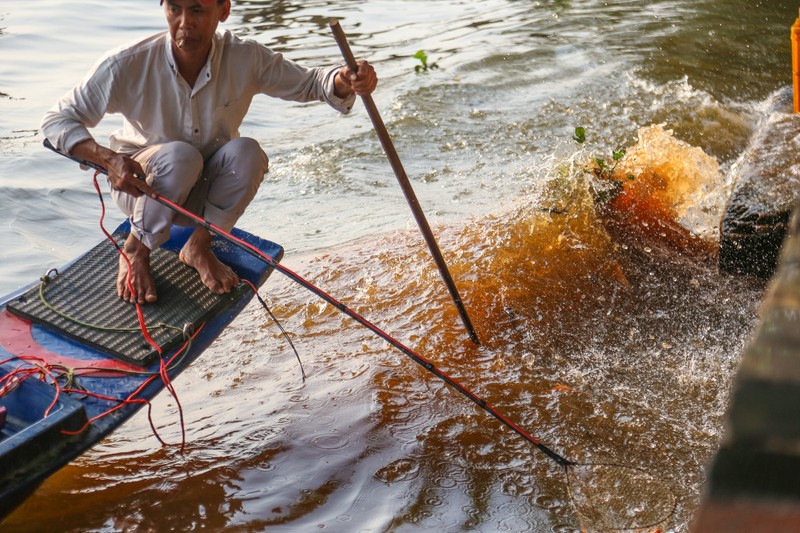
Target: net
611 497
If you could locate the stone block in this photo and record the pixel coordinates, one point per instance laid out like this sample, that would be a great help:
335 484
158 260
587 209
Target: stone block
737 516
747 473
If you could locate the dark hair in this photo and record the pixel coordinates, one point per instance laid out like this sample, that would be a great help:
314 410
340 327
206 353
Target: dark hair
219 2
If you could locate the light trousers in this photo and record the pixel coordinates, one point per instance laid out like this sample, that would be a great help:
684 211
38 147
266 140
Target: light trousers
218 189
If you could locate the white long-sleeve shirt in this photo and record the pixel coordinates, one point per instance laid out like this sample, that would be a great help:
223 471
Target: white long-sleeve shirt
141 82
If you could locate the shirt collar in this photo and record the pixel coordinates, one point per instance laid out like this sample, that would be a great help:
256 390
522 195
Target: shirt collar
207 71
170 56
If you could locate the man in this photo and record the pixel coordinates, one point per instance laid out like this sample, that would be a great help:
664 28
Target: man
183 94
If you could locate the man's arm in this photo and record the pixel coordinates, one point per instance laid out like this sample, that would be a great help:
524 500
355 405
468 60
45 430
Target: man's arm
124 174
66 125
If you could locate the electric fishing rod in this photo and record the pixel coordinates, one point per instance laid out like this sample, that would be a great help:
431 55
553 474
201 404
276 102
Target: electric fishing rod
480 402
405 184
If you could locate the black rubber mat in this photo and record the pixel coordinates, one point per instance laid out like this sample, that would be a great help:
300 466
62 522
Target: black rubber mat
82 303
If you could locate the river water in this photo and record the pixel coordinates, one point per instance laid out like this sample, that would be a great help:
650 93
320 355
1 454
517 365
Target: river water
606 330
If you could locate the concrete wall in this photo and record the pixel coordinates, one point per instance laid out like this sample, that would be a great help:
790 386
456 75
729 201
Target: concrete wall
754 481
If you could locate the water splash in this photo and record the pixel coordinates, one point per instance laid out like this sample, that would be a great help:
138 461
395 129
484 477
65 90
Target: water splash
681 182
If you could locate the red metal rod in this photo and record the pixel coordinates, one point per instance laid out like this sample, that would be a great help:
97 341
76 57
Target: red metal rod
427 365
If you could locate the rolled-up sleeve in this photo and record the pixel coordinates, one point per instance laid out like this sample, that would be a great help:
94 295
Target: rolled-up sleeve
343 105
67 123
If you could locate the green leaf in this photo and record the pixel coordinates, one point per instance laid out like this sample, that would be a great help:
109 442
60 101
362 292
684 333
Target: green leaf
580 134
423 57
619 155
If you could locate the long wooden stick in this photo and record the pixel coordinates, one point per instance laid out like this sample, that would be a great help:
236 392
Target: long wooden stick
405 184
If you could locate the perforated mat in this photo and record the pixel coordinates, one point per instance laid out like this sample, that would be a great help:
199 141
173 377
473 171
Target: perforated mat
81 302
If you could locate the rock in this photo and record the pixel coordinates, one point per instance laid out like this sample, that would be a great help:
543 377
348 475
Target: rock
766 187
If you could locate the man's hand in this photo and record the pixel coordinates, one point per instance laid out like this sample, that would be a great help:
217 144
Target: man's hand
124 174
361 83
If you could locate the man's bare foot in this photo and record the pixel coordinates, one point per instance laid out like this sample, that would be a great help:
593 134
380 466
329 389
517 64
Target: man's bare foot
141 279
197 253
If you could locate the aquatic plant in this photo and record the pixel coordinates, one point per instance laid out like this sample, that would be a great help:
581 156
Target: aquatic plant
603 169
423 58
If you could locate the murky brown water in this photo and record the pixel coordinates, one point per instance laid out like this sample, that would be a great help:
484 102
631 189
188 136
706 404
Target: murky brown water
606 330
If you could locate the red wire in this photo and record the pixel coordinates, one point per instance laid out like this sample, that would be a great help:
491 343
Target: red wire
41 366
139 313
163 373
132 399
23 373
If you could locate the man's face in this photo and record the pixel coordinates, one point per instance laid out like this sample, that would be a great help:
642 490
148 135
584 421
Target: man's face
192 23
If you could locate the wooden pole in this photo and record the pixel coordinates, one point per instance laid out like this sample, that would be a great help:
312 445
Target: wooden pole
405 184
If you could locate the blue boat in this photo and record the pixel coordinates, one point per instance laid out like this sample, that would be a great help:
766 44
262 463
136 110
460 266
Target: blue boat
75 363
